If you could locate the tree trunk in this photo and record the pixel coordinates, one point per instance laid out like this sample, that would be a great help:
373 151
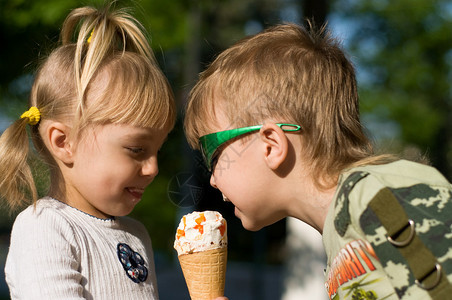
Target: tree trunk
315 11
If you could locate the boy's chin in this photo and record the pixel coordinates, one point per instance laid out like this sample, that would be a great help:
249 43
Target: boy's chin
251 226
248 224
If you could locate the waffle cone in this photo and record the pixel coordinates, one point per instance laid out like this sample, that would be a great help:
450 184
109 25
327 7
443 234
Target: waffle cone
205 273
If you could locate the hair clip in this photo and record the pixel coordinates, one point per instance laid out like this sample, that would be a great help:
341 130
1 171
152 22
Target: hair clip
33 115
90 36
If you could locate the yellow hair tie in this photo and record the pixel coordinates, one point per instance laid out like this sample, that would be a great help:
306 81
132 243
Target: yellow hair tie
90 36
33 115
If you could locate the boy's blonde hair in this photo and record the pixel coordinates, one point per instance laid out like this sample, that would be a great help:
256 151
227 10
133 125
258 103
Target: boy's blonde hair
108 75
292 75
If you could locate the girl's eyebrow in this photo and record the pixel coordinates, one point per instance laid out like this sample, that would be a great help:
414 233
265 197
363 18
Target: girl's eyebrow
139 135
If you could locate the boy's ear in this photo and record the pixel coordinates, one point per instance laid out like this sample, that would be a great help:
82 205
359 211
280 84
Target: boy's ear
275 143
58 142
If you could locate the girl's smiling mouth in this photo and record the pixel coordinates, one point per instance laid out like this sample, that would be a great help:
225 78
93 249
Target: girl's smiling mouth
136 192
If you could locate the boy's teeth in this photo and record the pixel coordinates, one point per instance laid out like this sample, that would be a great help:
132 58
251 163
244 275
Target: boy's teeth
225 199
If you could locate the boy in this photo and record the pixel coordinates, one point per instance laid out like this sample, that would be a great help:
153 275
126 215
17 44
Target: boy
276 117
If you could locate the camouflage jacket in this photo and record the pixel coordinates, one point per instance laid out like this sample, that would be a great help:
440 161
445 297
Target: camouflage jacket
362 262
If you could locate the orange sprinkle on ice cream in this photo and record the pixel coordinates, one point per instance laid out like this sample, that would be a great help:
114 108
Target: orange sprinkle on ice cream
200 228
222 228
180 232
200 219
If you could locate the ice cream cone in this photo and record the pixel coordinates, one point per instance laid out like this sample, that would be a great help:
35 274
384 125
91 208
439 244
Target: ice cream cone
205 273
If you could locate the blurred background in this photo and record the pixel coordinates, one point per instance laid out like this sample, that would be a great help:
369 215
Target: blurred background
402 50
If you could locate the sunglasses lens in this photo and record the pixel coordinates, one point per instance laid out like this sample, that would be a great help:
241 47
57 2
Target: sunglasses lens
213 161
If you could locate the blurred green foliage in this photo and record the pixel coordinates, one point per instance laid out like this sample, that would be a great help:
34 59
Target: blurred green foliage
404 51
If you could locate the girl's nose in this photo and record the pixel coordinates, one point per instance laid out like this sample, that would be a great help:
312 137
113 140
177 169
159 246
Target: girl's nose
150 167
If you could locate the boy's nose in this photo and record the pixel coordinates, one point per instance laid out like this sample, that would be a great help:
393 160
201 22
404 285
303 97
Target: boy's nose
150 168
212 181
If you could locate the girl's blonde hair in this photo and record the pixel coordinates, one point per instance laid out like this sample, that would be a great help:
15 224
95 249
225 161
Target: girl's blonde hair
108 42
286 74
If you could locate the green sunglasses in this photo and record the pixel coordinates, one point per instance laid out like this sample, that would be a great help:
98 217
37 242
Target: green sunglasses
210 143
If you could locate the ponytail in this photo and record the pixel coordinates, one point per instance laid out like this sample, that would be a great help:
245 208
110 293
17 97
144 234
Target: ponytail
16 180
102 33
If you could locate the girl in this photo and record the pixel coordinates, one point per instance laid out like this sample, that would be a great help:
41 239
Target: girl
100 110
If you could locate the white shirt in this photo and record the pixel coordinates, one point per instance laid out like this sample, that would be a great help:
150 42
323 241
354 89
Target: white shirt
59 252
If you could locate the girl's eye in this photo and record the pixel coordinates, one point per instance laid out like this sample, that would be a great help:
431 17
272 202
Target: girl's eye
135 150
